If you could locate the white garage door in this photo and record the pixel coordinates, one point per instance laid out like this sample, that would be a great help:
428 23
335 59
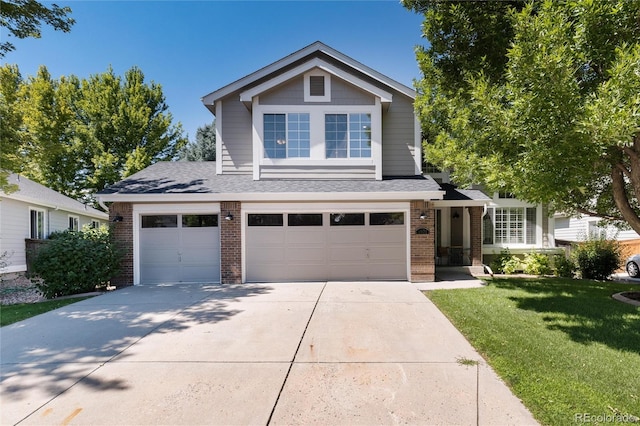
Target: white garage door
326 246
179 248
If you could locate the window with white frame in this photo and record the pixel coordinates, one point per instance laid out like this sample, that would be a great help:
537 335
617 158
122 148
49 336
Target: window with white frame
287 135
348 135
37 224
74 223
510 225
95 224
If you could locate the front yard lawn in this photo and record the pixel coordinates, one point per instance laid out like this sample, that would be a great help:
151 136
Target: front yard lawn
14 313
565 347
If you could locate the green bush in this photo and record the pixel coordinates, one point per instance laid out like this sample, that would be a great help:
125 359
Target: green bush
597 259
563 266
76 262
536 264
512 265
498 263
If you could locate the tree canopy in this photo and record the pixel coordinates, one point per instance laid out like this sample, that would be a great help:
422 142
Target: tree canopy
204 147
541 99
77 136
24 18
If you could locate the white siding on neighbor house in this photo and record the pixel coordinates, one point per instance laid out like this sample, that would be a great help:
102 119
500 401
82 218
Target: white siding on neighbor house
579 229
398 138
14 228
236 153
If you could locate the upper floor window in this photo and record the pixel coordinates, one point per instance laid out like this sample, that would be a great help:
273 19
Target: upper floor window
287 135
37 224
74 223
348 135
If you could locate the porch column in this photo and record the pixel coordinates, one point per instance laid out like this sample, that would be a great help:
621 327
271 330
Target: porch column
475 233
123 234
231 243
423 259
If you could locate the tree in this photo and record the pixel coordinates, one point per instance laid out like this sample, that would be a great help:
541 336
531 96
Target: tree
10 123
539 99
204 147
79 136
23 18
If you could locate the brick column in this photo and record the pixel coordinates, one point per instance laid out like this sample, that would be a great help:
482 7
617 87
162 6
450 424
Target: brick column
231 243
123 234
475 232
423 259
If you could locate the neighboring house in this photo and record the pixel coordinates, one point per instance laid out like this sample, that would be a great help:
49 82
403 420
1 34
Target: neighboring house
34 211
318 177
580 228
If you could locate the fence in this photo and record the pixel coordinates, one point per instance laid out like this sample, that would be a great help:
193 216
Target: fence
32 248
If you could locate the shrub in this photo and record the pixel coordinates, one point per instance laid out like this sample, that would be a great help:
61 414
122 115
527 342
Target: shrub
563 266
597 258
76 262
512 265
498 263
536 264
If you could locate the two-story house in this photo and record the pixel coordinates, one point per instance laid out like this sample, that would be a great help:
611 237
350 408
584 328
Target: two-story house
318 177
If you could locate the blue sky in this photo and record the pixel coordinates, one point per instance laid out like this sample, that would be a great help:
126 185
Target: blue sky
192 48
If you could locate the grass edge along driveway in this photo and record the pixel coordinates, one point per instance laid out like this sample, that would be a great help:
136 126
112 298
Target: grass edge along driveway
10 314
567 349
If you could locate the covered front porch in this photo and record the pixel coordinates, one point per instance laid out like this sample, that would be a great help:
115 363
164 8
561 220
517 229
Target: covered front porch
458 229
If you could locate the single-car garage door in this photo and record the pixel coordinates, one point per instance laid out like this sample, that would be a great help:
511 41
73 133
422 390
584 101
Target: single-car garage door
326 246
179 248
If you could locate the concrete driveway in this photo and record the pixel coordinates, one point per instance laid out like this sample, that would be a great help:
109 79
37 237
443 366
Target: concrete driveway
291 353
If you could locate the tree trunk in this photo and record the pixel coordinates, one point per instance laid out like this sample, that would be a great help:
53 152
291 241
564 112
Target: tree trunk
621 199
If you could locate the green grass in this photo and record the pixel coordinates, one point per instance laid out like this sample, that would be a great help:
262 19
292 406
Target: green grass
565 347
14 313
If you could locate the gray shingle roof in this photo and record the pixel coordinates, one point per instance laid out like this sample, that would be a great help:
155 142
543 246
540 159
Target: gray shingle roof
185 177
452 193
40 195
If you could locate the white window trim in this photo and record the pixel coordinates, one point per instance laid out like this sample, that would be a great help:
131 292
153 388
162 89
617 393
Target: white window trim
77 220
515 203
317 149
95 223
44 222
327 86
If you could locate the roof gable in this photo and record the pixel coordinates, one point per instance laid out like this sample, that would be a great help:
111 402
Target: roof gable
315 50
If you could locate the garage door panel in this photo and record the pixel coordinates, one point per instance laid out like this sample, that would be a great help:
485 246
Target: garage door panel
161 273
156 237
387 271
346 254
349 235
159 255
187 252
306 255
387 235
306 237
390 253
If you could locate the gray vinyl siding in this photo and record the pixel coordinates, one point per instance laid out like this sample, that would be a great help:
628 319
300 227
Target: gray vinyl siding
398 133
237 151
292 93
334 172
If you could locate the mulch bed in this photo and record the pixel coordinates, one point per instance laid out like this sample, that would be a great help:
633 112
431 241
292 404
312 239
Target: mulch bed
16 288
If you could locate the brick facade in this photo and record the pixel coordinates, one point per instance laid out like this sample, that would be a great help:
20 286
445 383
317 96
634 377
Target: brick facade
123 234
423 267
231 243
475 231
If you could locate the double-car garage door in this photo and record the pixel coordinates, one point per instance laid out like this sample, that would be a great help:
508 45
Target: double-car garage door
326 246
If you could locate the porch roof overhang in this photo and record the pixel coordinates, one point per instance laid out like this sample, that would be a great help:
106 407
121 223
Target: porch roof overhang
455 197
